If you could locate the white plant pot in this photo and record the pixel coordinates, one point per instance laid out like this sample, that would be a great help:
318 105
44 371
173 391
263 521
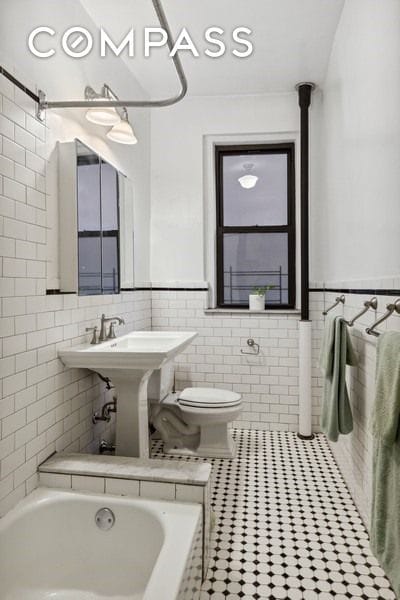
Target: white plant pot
256 302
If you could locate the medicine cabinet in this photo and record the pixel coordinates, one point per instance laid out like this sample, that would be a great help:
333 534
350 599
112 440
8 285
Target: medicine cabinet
95 223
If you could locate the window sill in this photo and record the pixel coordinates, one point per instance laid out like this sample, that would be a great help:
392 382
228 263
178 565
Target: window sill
246 311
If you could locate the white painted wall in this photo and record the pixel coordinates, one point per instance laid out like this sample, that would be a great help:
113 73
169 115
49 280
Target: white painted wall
178 187
356 213
62 77
358 208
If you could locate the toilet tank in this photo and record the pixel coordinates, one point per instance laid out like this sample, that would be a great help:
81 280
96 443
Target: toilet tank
161 382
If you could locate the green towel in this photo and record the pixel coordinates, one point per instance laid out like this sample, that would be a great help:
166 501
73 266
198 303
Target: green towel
336 352
385 425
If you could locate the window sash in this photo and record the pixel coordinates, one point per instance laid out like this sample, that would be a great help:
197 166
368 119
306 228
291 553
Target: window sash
289 229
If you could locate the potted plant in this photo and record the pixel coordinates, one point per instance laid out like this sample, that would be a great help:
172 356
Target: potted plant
257 297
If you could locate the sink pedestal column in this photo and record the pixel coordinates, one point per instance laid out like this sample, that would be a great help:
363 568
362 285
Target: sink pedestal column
132 421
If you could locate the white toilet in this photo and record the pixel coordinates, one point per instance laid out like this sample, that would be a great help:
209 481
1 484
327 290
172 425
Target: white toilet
194 421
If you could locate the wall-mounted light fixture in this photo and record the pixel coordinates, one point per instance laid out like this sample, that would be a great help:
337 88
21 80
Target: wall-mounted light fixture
117 118
122 132
248 181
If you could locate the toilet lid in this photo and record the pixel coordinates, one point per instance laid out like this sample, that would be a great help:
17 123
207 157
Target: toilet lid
208 398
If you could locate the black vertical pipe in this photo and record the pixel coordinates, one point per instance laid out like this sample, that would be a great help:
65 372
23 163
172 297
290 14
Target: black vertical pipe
304 91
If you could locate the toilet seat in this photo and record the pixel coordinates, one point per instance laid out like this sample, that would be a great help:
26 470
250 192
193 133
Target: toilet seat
209 398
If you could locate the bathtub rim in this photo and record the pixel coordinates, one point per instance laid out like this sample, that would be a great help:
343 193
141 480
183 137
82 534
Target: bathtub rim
167 573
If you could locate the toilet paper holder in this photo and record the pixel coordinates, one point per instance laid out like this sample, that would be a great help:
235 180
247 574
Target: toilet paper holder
252 344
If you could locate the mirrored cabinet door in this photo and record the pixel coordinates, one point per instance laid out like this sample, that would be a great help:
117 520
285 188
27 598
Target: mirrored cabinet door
89 221
110 229
89 210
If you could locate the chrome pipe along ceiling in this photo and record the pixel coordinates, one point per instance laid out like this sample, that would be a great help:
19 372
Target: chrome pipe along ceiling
121 131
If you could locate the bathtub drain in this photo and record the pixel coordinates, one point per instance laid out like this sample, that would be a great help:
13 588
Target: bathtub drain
105 519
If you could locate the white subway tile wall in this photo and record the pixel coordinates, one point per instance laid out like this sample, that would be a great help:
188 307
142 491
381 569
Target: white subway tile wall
158 490
268 382
46 408
353 452
43 407
122 487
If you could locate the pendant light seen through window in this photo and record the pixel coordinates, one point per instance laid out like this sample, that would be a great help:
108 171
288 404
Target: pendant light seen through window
248 180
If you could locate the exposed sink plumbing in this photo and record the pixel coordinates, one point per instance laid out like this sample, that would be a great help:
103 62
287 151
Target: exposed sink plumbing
105 415
106 447
107 381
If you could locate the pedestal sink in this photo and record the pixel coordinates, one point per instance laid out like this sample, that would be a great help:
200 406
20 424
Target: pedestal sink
129 361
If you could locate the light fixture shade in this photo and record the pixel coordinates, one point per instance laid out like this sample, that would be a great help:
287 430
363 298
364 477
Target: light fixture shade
103 116
122 133
248 181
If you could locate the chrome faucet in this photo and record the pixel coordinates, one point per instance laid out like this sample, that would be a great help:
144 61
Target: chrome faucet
111 332
94 336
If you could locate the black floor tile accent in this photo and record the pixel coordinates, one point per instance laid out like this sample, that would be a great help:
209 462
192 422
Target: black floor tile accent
286 525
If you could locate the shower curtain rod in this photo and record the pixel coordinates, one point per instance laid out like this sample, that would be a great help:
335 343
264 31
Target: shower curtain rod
19 84
45 104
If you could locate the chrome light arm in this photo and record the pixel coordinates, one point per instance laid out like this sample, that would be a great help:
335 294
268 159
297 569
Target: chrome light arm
44 104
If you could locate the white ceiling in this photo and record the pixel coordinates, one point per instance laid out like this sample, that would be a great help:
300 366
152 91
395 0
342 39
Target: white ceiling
292 41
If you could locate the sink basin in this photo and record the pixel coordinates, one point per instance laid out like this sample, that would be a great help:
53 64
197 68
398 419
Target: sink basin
139 349
129 361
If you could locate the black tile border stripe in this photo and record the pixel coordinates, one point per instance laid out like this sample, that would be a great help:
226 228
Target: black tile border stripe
375 292
366 291
53 292
165 289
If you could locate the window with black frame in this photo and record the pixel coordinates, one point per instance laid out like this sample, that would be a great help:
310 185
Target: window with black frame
256 224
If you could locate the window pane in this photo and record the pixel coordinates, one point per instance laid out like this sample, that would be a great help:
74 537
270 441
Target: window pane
263 204
109 197
255 260
110 265
89 265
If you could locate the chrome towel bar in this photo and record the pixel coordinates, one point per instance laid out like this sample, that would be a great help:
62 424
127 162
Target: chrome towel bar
390 309
373 303
339 299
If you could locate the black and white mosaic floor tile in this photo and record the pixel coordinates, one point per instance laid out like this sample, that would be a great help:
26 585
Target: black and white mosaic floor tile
286 526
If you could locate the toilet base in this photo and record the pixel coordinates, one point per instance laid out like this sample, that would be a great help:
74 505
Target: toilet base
215 442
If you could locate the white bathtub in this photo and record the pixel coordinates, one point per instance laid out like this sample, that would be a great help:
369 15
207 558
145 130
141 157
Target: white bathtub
51 548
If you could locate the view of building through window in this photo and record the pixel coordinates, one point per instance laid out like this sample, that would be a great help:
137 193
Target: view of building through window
255 224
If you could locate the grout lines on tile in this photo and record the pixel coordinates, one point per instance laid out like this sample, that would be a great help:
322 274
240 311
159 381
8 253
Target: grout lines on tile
286 525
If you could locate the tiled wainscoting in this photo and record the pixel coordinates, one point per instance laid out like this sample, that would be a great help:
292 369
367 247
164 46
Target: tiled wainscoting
268 382
353 452
44 406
